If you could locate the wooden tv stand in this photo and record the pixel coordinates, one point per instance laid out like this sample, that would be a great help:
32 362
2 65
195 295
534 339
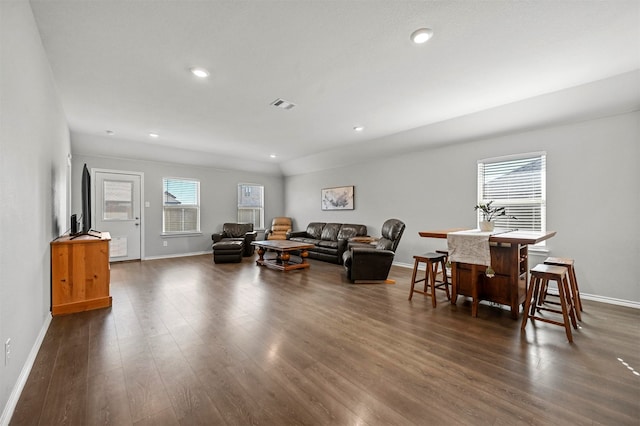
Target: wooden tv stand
80 273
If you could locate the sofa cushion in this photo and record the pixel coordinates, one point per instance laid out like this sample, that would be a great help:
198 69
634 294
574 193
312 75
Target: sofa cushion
305 240
349 230
330 232
328 244
325 250
314 229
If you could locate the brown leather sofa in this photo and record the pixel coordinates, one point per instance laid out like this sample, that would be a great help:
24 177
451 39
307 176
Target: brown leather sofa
330 240
372 263
237 232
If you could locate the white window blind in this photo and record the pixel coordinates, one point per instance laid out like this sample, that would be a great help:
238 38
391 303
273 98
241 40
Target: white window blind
517 183
180 205
251 204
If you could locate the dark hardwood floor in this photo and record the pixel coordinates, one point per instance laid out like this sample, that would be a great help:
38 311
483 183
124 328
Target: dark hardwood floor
190 342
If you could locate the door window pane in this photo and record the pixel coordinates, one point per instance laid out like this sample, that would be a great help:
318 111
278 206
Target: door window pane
118 200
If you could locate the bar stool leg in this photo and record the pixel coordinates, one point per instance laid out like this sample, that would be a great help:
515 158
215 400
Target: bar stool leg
433 267
527 302
445 278
413 278
565 314
575 291
570 306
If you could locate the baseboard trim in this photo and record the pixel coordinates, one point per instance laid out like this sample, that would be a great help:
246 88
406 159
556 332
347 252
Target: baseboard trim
169 256
7 413
586 296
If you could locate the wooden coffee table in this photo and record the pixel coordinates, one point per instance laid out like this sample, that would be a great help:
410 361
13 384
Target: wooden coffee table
283 255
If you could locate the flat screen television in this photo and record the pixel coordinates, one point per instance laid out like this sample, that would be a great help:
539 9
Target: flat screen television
86 200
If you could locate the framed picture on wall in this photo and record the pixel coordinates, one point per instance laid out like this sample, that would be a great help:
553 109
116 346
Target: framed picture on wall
338 198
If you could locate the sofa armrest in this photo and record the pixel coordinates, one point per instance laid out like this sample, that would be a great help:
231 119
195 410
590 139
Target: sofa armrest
249 248
217 237
371 253
369 264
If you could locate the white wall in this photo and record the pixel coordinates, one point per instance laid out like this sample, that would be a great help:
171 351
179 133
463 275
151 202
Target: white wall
34 144
218 197
593 195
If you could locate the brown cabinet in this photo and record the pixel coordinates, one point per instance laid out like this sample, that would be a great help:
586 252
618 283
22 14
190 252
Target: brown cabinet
80 273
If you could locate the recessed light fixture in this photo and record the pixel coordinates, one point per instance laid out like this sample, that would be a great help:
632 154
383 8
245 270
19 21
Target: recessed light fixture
272 155
154 135
421 35
110 132
199 72
358 128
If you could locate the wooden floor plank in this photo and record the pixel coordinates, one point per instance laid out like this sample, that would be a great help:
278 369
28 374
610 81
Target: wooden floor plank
188 341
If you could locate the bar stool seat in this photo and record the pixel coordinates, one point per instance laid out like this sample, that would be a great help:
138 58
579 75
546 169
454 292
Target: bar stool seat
433 261
540 276
573 282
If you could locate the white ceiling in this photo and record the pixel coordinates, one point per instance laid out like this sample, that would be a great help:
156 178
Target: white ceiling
124 66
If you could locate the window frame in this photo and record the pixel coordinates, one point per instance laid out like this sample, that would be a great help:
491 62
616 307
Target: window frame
197 231
261 225
540 201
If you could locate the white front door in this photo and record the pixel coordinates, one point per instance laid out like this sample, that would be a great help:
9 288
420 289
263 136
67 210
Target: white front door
117 211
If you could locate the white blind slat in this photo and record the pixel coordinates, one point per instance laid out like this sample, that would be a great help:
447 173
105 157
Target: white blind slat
181 205
518 184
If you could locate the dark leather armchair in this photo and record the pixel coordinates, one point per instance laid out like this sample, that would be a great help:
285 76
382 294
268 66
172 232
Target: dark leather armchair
366 264
237 232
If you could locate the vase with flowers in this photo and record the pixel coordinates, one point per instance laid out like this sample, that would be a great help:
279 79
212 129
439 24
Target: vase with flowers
489 213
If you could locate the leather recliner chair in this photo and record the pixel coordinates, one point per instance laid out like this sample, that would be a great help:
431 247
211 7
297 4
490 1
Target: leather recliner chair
280 226
370 264
237 232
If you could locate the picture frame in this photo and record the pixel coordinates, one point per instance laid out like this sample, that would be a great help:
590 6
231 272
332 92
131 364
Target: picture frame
337 198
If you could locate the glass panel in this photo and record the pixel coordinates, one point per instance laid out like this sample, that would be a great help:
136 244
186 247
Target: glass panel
518 184
180 219
118 200
251 204
181 199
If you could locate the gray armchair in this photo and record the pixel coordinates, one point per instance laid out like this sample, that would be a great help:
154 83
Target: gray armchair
366 264
237 232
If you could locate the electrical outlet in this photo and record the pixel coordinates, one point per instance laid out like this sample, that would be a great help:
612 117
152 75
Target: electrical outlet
7 351
165 243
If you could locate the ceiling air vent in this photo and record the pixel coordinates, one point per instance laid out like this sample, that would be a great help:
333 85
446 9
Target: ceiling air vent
281 103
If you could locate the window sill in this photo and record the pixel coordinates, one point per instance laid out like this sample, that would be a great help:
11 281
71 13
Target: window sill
539 250
181 234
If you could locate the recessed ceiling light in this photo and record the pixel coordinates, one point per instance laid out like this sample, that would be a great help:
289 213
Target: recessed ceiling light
421 35
110 132
200 72
272 155
154 135
358 128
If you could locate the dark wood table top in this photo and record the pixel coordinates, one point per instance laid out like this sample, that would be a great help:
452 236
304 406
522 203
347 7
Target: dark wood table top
519 237
282 245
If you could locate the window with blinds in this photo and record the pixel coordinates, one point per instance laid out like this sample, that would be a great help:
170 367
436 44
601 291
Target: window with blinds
517 183
251 204
180 205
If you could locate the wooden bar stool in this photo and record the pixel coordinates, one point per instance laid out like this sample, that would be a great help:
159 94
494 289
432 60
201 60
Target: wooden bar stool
573 282
540 275
432 261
